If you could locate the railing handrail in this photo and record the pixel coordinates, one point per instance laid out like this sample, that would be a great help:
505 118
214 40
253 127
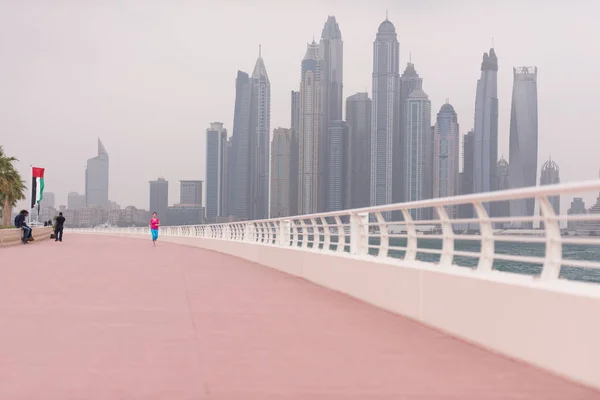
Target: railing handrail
329 232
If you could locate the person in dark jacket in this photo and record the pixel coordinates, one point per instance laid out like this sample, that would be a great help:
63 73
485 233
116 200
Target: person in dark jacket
20 222
58 227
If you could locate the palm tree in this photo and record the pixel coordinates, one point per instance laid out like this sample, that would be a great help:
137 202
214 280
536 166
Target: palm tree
12 187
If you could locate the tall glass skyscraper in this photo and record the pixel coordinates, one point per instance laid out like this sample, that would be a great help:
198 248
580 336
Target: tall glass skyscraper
331 51
418 150
339 166
311 113
216 145
385 121
446 150
96 179
358 117
523 138
486 126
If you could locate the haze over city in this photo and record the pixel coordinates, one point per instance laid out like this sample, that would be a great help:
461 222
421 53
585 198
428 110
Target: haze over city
148 78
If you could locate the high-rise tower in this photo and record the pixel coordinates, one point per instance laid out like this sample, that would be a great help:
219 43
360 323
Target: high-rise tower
418 151
309 168
260 125
446 150
331 52
523 138
551 176
358 116
216 145
96 179
281 161
295 125
486 126
239 162
409 82
249 170
339 166
385 121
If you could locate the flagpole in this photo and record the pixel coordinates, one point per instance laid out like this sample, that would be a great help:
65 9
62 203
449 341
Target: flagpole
30 195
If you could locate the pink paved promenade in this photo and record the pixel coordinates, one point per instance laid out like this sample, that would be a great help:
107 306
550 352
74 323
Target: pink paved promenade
107 318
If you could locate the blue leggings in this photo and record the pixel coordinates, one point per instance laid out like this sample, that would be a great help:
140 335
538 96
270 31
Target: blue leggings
154 234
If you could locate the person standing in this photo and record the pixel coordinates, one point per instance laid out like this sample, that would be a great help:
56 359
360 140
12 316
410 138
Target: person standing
58 228
154 224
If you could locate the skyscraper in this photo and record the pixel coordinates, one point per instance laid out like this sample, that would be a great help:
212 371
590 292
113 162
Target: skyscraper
486 126
281 167
446 150
216 143
96 179
260 132
190 192
239 162
311 112
385 122
339 166
409 82
466 177
75 201
295 159
358 116
502 208
523 138
418 171
249 169
331 50
551 176
159 198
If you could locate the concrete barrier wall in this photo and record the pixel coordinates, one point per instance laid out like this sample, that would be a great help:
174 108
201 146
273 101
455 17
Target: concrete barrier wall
9 237
552 325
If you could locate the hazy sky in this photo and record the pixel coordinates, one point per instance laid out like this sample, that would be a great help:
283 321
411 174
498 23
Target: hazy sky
147 77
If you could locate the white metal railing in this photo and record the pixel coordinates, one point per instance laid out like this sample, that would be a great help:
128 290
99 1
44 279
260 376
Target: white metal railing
489 240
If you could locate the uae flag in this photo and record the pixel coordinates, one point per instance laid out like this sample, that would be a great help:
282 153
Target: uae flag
37 185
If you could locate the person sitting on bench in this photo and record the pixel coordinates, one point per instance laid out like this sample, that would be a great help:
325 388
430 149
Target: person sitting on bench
20 223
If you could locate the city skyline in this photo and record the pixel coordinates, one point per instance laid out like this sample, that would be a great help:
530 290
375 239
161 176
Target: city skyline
125 190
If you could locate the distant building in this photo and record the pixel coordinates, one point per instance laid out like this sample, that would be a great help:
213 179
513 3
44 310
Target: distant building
339 166
281 163
48 201
502 208
185 214
216 143
550 176
331 51
523 139
446 153
310 170
358 116
159 198
486 126
75 201
96 179
409 82
190 192
385 113
466 177
577 208
418 154
295 157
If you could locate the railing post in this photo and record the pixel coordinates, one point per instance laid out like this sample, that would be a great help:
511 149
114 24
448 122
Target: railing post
284 233
384 237
341 234
553 259
448 237
411 239
249 232
359 233
486 231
